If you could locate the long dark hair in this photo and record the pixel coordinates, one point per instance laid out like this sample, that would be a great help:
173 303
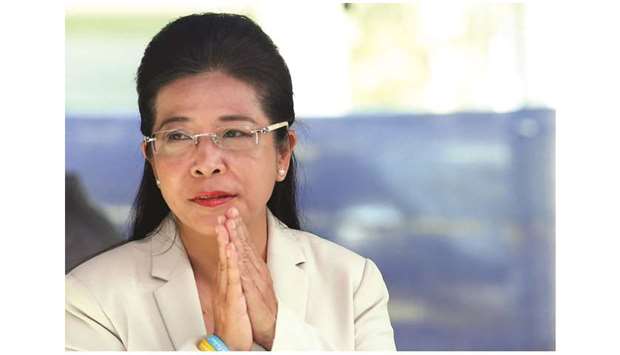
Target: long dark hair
228 43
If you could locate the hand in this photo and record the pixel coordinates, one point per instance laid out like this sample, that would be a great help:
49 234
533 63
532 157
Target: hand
255 280
232 322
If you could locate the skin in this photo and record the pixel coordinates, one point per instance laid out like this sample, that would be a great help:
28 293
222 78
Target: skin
227 244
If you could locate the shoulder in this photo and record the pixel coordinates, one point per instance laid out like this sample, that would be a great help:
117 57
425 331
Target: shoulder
114 267
128 265
327 256
322 248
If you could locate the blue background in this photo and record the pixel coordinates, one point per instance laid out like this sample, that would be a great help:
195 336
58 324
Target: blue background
457 211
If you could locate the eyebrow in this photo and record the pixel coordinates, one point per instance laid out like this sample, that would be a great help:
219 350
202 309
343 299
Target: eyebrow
229 118
172 120
225 118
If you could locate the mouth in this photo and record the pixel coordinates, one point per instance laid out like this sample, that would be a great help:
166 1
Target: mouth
213 198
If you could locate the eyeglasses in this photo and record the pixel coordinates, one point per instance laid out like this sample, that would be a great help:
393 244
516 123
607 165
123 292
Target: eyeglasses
176 143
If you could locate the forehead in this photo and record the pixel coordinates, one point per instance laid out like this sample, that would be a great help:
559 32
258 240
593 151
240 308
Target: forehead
206 100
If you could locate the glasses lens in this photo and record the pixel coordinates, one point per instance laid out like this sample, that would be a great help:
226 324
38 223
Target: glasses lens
178 143
236 138
172 143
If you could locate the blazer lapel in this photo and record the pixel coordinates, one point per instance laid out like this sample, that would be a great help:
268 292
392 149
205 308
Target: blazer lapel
177 299
285 260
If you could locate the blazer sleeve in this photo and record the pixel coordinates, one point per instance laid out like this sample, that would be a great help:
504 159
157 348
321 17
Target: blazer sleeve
87 328
373 330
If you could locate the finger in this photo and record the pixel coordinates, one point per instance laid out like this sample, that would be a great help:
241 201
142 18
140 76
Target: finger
233 227
248 273
258 308
222 265
259 279
254 298
249 285
241 232
244 260
234 291
250 264
232 213
265 283
257 263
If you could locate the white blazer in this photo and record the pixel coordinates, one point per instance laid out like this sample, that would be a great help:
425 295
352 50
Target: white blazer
143 296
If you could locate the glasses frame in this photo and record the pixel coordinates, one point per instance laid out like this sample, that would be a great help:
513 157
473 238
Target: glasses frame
215 138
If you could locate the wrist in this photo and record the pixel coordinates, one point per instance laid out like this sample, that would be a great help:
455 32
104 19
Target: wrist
212 343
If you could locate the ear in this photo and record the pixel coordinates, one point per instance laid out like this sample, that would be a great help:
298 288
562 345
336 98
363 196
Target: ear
143 148
284 155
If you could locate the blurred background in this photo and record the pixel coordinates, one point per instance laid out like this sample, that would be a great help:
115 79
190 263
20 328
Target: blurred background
427 135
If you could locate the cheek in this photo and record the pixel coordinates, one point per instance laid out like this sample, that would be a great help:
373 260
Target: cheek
171 171
257 173
171 177
262 159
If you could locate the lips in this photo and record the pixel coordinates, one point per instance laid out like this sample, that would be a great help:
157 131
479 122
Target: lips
213 198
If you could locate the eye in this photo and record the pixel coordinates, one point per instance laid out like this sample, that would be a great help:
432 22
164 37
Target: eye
235 133
176 136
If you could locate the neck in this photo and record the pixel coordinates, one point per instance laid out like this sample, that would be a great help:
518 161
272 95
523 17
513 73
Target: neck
202 248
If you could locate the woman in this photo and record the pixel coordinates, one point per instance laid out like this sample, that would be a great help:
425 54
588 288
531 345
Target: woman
217 251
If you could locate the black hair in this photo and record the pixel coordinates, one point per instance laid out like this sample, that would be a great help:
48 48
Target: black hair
228 43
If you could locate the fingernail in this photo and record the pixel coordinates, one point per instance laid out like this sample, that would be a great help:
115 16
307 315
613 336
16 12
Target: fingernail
235 211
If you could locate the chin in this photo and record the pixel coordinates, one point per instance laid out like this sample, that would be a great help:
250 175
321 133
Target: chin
198 223
205 223
206 229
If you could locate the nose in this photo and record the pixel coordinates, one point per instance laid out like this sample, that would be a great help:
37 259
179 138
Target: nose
207 158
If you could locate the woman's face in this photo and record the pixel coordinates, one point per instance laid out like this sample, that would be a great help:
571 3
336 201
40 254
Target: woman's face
203 103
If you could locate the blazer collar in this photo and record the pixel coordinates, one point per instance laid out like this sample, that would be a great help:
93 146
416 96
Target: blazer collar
285 260
178 300
167 249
